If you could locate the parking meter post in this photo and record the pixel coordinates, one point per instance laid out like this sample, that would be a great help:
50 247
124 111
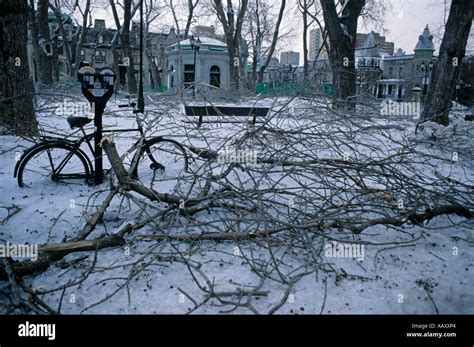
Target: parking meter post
98 94
98 162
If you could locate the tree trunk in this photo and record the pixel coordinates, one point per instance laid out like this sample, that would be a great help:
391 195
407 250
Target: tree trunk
155 73
33 26
82 37
305 44
127 48
342 36
233 36
66 47
191 7
115 55
45 61
16 109
55 59
254 67
448 66
264 65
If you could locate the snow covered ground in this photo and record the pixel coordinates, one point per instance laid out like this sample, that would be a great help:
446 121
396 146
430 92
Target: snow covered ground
426 268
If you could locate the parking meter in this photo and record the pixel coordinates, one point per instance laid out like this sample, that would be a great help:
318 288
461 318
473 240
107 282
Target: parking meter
98 87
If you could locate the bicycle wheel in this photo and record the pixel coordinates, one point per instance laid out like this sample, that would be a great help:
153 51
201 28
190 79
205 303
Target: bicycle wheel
161 160
56 162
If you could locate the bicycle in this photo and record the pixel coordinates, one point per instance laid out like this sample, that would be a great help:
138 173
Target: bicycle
61 159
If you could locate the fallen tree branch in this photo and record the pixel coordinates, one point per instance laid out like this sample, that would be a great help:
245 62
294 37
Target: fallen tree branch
52 253
97 217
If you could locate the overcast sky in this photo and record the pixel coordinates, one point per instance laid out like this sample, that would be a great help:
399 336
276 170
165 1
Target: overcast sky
404 22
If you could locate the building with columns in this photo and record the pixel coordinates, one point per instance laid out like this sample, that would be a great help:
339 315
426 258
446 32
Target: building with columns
407 76
209 65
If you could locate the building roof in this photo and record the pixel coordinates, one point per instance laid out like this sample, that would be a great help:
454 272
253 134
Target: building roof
204 41
425 41
369 50
399 57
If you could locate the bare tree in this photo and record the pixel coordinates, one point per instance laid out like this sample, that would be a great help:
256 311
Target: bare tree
183 9
342 30
127 49
80 36
232 26
304 7
276 32
33 26
16 87
152 11
258 25
45 51
192 4
56 8
451 54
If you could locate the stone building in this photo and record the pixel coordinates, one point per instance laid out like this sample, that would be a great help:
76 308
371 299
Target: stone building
406 76
368 67
97 50
207 66
384 47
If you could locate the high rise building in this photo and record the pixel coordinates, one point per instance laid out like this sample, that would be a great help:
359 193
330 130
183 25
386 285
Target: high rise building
315 43
290 57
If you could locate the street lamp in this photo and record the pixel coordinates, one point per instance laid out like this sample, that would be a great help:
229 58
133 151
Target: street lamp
195 46
426 68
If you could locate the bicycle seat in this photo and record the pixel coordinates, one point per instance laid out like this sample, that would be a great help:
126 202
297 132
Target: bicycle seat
78 122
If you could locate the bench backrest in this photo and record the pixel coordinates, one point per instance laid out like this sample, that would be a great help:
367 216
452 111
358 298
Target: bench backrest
226 111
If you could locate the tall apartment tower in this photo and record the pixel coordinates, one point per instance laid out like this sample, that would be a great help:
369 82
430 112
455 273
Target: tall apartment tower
315 43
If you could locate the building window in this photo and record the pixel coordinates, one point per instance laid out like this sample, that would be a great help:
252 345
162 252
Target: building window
419 72
215 76
101 39
188 74
390 87
100 57
400 72
83 55
390 72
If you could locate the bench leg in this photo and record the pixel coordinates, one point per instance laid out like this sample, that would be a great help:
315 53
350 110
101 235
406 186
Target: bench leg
200 121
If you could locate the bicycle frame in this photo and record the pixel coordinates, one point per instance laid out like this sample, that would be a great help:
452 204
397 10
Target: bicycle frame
73 146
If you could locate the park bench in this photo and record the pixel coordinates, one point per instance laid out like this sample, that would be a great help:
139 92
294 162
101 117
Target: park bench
233 111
